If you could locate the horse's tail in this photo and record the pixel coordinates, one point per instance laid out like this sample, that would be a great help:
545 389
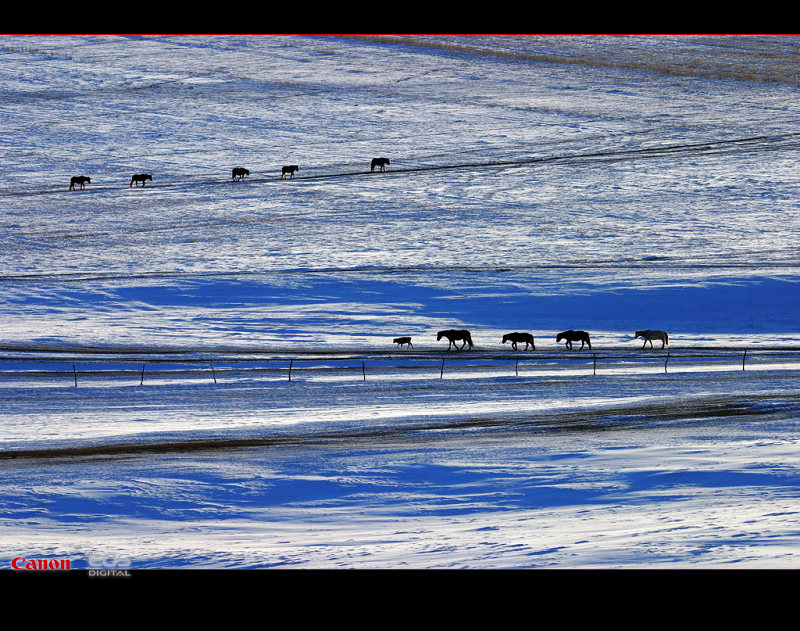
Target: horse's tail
469 340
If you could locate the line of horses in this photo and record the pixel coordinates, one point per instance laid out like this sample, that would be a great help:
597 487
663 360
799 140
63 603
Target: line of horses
237 174
454 336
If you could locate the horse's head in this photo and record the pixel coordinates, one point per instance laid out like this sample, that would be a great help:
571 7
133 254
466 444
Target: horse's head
638 334
506 337
560 337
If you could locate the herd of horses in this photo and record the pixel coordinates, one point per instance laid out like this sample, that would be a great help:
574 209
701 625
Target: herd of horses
237 174
454 336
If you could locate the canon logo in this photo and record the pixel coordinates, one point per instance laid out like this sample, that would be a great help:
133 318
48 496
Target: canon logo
21 563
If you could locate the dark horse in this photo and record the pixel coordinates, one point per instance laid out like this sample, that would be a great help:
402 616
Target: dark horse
403 340
454 334
379 162
239 173
290 170
81 180
649 336
574 336
141 177
514 338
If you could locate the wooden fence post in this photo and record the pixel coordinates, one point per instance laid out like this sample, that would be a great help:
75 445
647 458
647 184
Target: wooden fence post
213 374
142 379
441 371
666 362
744 357
75 374
291 361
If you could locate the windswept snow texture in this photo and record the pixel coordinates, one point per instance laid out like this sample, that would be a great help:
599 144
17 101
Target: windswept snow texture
199 373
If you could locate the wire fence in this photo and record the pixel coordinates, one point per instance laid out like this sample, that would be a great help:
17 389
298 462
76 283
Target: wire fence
142 369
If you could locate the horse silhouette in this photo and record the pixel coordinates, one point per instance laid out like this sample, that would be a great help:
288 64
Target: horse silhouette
403 340
515 338
649 336
574 336
79 179
239 173
379 162
290 170
141 177
455 334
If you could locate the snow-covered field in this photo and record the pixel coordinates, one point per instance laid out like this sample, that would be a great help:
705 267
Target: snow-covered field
200 373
